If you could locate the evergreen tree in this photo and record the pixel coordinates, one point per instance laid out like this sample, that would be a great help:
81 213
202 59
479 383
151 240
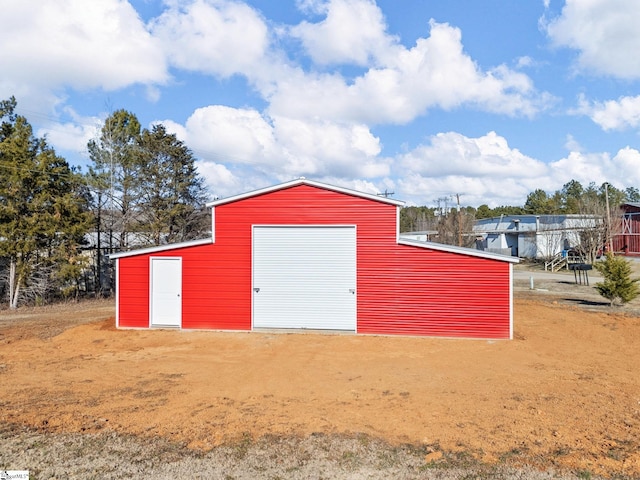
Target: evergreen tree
43 214
632 194
172 192
538 202
616 197
114 177
618 284
507 210
571 195
590 194
483 211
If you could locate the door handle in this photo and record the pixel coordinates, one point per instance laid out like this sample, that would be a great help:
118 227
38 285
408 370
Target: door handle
352 291
256 289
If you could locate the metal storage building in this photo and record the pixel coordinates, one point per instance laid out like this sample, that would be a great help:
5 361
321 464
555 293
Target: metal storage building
533 236
306 255
628 240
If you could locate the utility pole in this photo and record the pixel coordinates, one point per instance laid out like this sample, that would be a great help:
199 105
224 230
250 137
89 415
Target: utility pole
443 209
386 194
98 276
609 237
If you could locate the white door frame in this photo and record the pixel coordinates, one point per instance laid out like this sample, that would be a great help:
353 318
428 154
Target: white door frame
165 299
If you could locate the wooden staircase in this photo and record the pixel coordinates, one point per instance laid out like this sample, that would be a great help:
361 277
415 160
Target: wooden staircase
562 260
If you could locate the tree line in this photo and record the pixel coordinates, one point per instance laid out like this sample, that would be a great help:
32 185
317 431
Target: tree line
141 189
573 198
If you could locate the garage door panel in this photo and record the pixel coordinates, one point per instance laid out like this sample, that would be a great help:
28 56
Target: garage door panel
305 277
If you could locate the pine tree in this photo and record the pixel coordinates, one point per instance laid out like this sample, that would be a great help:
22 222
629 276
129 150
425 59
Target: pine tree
172 193
114 176
618 284
43 214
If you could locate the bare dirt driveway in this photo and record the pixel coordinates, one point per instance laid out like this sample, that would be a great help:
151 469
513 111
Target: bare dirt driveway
562 397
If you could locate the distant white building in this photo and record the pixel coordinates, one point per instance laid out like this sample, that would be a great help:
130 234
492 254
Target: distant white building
422 236
532 236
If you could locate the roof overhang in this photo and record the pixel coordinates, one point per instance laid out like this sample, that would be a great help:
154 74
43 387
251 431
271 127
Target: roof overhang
471 252
160 248
304 181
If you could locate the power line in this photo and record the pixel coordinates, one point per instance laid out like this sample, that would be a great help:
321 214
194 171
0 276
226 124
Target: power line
69 174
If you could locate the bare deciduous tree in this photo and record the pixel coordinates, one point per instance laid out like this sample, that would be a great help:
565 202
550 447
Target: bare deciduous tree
456 228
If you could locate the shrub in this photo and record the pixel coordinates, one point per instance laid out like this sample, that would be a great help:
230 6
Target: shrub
618 284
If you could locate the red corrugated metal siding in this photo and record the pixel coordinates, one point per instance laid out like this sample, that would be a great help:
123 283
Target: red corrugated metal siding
198 281
628 241
133 292
401 289
298 205
413 291
628 244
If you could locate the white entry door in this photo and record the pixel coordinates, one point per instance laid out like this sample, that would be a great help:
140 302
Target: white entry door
304 277
166 292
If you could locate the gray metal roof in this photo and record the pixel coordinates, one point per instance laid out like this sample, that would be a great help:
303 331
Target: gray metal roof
162 248
472 252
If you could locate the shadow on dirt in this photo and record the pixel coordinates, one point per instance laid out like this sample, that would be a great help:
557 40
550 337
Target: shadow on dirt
586 303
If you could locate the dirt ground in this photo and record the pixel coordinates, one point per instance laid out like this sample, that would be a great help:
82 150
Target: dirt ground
562 397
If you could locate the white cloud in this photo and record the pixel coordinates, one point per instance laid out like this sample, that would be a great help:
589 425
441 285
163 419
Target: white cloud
51 47
482 170
323 148
239 135
525 62
219 180
352 32
626 167
613 114
319 108
175 128
583 167
312 6
622 170
484 157
604 32
572 144
79 44
217 37
421 190
29 99
487 170
283 147
434 73
71 136
241 149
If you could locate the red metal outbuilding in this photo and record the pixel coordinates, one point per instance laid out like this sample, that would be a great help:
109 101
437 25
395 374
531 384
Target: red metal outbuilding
628 240
306 255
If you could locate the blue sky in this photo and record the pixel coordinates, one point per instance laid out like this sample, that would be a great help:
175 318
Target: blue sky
424 98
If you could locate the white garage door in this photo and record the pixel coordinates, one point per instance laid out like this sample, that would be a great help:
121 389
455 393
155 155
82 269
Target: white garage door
304 277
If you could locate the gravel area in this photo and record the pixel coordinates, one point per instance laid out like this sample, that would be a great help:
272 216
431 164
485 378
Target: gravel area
109 456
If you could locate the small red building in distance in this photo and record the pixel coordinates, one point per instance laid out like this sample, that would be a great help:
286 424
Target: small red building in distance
306 255
628 240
